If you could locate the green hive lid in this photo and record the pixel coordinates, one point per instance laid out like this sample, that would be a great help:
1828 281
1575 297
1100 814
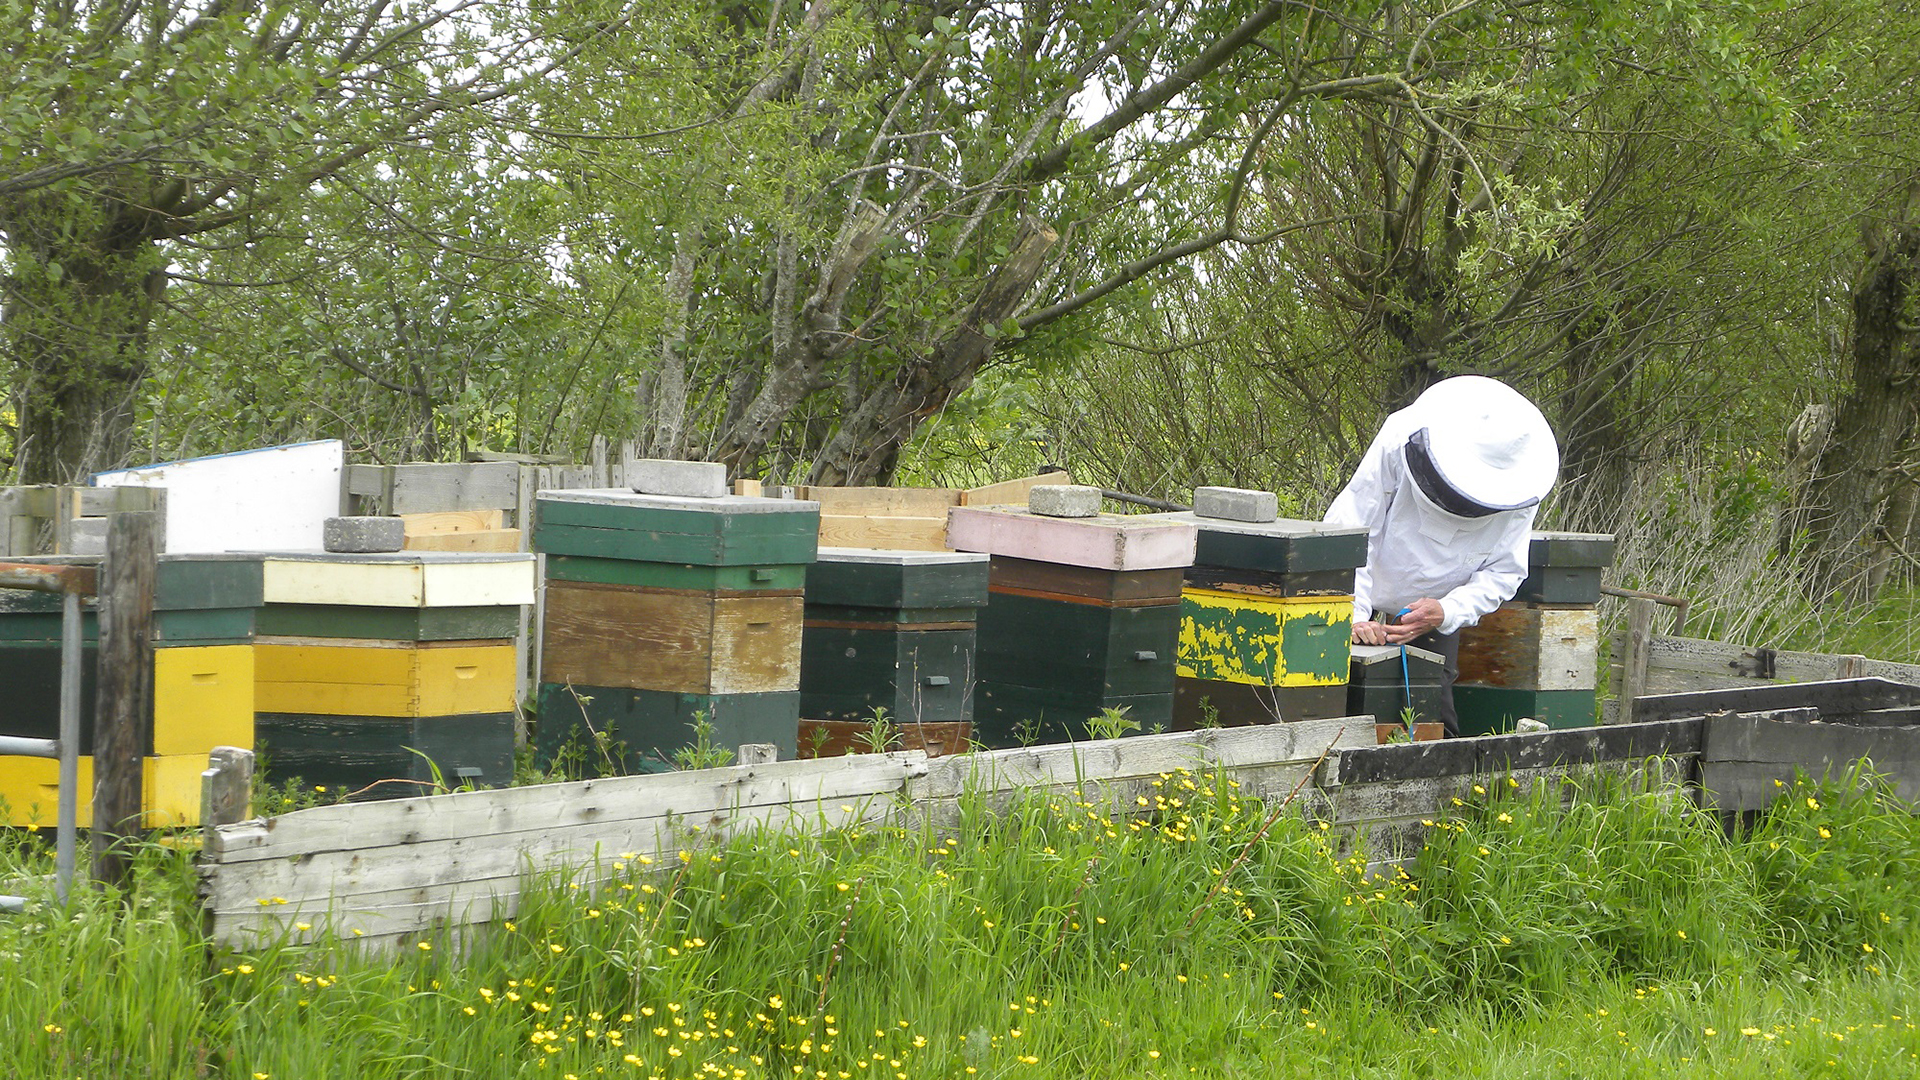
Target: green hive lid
612 523
886 578
1282 546
1570 549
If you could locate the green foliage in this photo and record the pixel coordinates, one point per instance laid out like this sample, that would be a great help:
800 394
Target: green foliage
882 732
1610 932
1111 723
702 752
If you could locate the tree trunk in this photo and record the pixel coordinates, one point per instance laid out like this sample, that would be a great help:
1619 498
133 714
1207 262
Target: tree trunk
1859 474
867 447
1595 451
79 299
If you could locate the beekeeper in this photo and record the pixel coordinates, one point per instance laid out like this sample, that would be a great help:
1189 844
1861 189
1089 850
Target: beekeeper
1447 493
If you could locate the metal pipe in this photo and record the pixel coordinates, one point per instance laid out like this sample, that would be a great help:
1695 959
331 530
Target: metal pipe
1677 603
1143 500
21 746
72 631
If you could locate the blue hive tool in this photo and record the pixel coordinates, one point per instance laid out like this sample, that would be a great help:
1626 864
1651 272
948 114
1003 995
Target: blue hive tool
1406 680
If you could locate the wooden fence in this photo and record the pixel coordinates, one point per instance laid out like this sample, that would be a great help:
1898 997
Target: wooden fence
1646 663
390 871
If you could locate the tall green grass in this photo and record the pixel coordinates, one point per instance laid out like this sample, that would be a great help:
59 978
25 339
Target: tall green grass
1622 934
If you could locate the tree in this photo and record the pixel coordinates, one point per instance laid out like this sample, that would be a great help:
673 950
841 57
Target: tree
130 132
1548 203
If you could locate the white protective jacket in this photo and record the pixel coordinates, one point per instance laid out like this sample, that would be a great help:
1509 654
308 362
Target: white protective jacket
1415 549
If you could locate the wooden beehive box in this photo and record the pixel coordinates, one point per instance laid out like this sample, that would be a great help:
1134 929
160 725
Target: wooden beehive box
1267 614
892 630
379 674
203 692
1083 615
663 609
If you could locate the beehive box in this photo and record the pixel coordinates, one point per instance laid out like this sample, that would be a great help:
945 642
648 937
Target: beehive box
1387 679
660 609
1493 710
203 693
892 630
1565 568
1267 616
378 675
1083 615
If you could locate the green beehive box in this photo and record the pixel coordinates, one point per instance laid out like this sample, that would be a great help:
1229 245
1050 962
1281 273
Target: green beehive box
1384 680
181 583
1570 549
644 728
1565 568
1560 585
384 757
388 623
1494 710
884 578
1283 558
923 676
732 530
1088 650
1264 640
893 630
1283 546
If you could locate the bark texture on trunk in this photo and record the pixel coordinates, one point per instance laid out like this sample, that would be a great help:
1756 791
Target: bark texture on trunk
1863 478
78 303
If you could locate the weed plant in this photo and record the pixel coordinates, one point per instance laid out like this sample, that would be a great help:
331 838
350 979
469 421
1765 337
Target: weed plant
1552 931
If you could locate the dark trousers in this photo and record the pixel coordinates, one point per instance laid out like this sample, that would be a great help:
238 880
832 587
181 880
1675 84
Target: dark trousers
1448 646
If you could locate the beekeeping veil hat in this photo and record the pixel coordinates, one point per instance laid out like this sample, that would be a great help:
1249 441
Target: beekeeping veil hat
1481 447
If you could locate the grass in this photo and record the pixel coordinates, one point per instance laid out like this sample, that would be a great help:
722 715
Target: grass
1615 934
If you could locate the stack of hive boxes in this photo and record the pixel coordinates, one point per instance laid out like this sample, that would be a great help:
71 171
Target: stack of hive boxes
664 607
1266 613
203 685
892 630
1387 680
1538 655
1082 615
380 674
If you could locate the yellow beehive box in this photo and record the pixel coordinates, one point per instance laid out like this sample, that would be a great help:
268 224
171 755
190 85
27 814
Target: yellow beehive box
360 677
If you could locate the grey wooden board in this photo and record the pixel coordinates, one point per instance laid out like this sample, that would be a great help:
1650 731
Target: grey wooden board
1681 664
1491 754
1745 758
1836 699
427 488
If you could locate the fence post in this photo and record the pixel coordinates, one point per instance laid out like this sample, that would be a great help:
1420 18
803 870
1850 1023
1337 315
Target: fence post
1633 666
123 715
226 787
